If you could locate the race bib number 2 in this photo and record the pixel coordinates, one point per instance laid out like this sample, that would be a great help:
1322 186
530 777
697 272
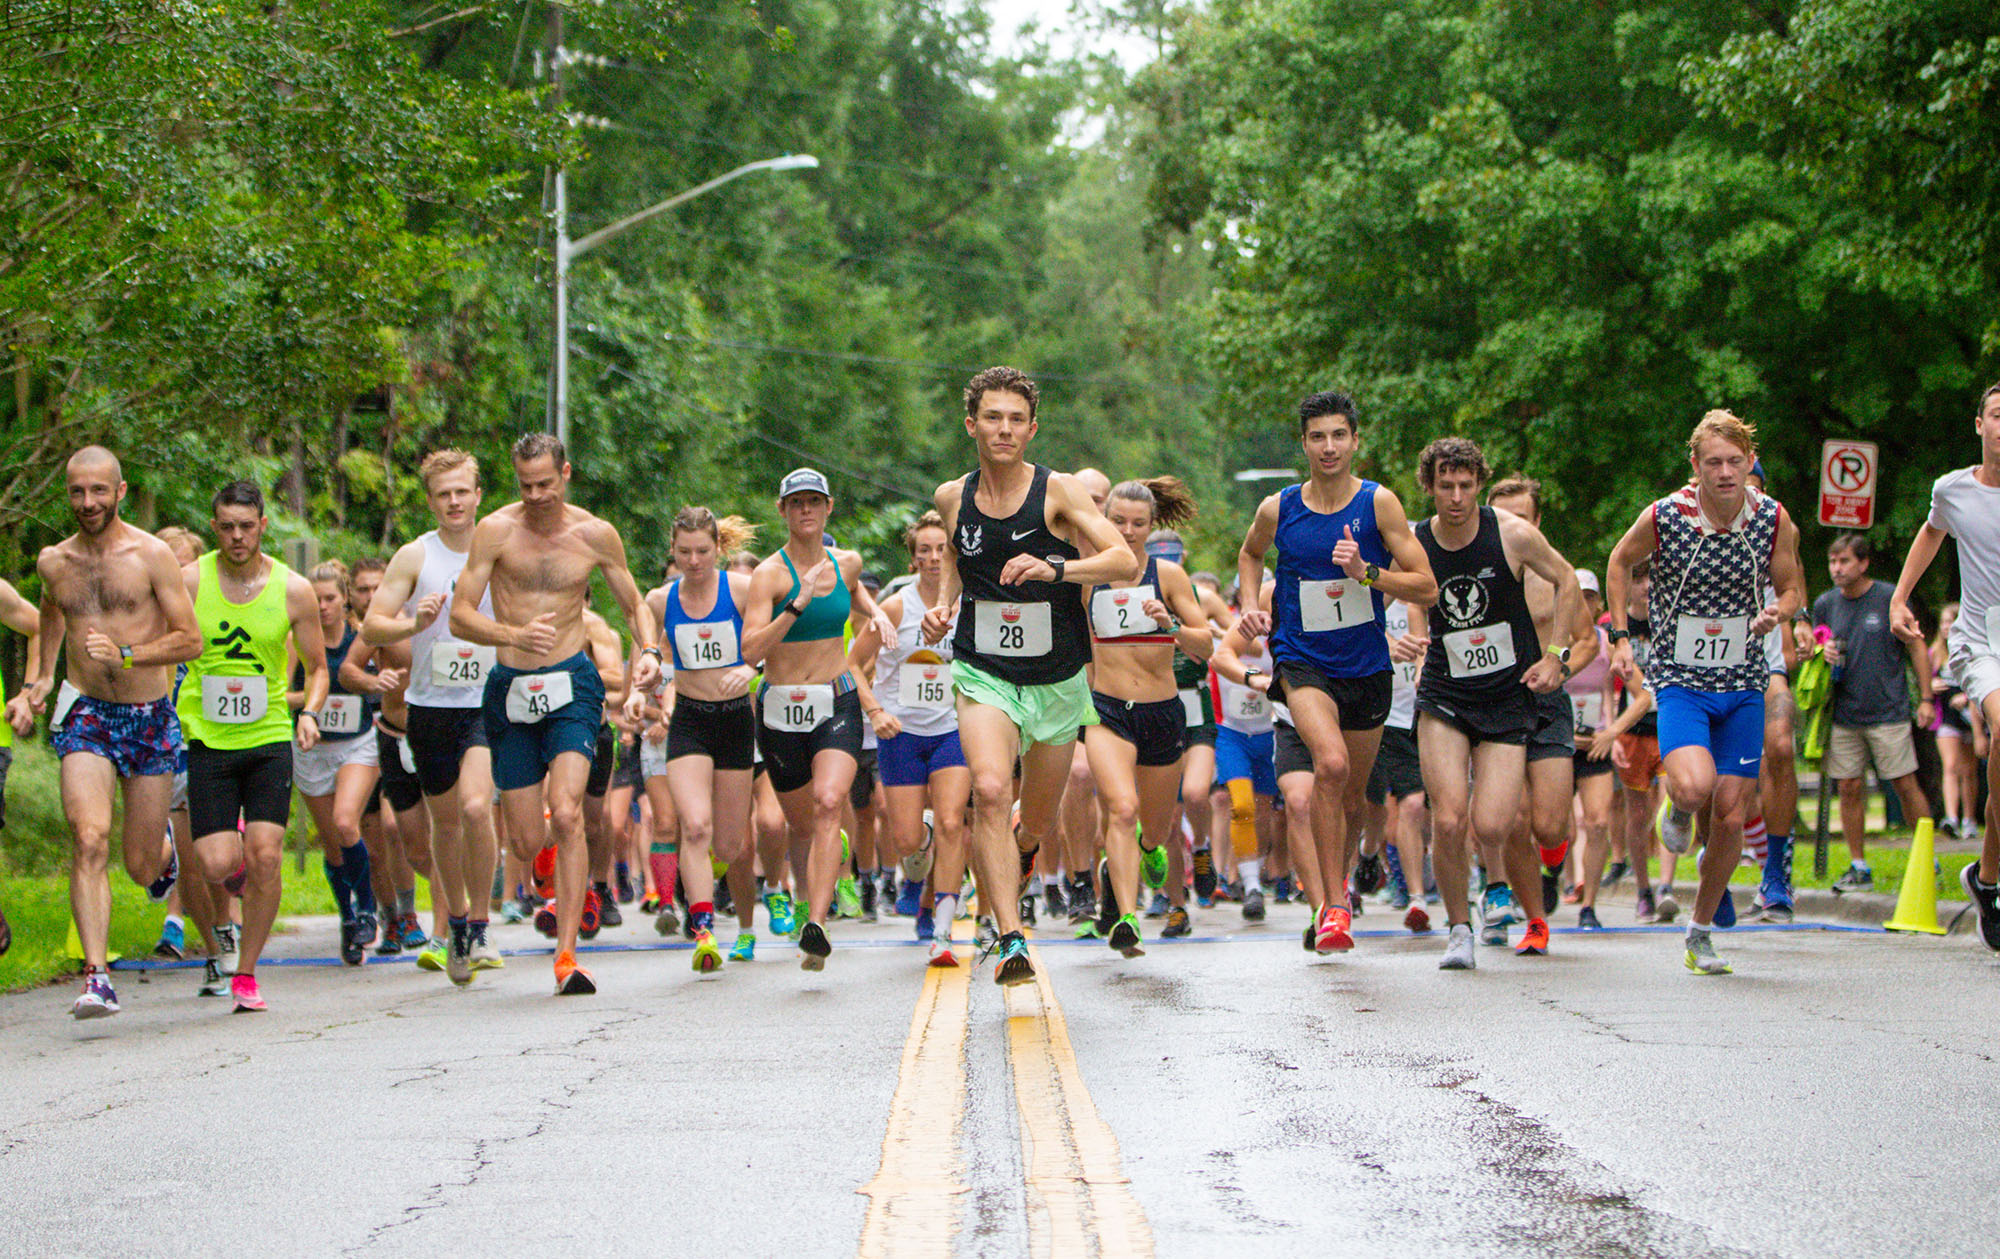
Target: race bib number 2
1011 629
1115 613
234 701
457 664
533 696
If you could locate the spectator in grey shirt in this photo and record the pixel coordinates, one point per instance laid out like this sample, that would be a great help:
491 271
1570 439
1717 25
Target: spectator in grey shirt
1871 699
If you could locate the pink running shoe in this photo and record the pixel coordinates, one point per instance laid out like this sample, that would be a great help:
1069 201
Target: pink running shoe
248 999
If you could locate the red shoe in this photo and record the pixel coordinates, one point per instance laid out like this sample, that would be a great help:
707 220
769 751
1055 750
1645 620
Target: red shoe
592 919
1535 941
545 919
572 980
1418 919
544 873
1336 930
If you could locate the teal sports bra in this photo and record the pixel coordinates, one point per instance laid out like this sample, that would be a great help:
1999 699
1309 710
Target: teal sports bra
826 616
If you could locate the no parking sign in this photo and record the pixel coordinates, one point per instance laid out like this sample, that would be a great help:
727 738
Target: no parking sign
1847 476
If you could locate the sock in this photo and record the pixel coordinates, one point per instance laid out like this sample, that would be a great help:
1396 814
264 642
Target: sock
1756 839
944 907
665 864
1251 871
359 877
461 929
1552 858
1861 866
1394 860
1242 816
343 895
1696 931
701 915
175 920
1051 880
1778 870
406 902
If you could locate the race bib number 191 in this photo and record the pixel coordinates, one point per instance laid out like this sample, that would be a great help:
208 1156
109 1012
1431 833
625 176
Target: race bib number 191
340 715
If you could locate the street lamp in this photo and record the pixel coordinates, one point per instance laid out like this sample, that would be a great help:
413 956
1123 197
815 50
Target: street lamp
567 250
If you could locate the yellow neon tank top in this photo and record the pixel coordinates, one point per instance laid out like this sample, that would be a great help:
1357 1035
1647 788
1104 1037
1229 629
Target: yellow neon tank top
238 640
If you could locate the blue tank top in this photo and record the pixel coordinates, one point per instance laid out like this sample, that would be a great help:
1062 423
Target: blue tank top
826 615
1347 639
714 641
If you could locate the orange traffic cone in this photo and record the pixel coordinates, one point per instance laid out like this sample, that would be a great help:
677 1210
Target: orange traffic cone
1916 904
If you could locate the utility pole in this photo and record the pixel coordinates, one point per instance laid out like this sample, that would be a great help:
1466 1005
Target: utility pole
558 406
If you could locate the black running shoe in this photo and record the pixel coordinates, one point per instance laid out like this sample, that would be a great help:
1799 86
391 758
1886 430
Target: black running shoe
1368 873
814 947
607 908
1617 871
1204 873
1011 964
158 889
1026 909
1107 900
1551 890
1124 936
1986 901
1082 900
350 944
869 893
1177 924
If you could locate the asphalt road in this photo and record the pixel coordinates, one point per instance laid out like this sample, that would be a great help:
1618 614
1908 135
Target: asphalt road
1838 1095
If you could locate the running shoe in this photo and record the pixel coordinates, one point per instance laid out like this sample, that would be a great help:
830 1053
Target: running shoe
846 898
777 906
157 890
1551 889
514 909
1025 907
1646 910
1153 865
1336 930
1459 952
607 910
350 944
1775 912
593 915
1399 896
1417 919
458 954
413 933
926 925
1158 906
484 956
432 956
1253 905
1107 904
1669 908
745 948
1011 963
910 898
213 982
941 954
1535 940
1125 937
544 872
365 928
986 934
227 943
1054 903
1028 856
572 980
667 921
1854 879
1368 874
1498 908
1204 875
1618 871
545 919
1177 924
1725 911
97 1000
248 999
1586 920
707 954
624 881
1985 898
651 903
869 911
173 942
1676 828
1082 900
392 940
1701 957
1311 934
814 947
1283 889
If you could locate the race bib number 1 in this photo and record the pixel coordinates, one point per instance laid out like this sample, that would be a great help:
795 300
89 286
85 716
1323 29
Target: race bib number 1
341 714
458 664
533 696
1011 629
924 687
705 644
234 701
1480 650
1334 605
1711 642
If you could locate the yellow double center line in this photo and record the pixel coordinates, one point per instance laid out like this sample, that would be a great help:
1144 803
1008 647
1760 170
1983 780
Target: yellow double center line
1080 1202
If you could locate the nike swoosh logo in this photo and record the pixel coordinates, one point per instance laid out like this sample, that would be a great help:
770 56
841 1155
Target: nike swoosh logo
1019 536
1746 760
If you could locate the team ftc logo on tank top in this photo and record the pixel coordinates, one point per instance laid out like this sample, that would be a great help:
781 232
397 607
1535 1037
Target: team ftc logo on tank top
970 539
1463 601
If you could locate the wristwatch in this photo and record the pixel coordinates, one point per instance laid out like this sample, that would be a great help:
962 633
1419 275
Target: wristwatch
1057 562
310 712
125 657
795 610
1561 654
1250 675
1370 573
655 652
1616 635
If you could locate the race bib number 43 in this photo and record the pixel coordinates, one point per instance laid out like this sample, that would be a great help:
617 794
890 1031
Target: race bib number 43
1011 629
533 696
455 663
1711 642
1333 605
924 687
1480 650
234 701
705 644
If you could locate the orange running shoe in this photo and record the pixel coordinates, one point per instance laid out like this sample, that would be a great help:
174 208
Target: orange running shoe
572 980
544 872
1535 941
1336 930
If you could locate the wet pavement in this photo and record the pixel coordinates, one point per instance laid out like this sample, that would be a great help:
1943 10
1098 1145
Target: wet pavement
1226 1095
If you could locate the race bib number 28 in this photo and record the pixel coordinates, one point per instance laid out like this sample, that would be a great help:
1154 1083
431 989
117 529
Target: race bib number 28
1011 629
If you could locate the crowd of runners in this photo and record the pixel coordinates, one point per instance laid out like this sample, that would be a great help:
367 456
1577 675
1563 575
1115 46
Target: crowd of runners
1444 717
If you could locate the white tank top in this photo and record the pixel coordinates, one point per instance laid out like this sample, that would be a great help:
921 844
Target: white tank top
1243 709
913 678
435 655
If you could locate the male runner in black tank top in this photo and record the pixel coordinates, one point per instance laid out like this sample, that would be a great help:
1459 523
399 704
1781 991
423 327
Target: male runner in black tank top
1022 640
1483 666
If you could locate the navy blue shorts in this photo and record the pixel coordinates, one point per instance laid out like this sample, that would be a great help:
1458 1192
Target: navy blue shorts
1730 724
909 760
1251 756
524 750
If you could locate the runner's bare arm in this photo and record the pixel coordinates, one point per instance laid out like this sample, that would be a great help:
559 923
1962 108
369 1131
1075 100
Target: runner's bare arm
182 640
1228 658
474 626
1923 549
868 641
764 623
1788 576
937 617
302 606
1519 538
863 603
1639 542
1250 565
1178 596
16 613
607 656
385 620
354 675
1070 506
1410 579
646 657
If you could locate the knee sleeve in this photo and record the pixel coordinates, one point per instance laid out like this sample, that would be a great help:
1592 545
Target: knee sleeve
1242 816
